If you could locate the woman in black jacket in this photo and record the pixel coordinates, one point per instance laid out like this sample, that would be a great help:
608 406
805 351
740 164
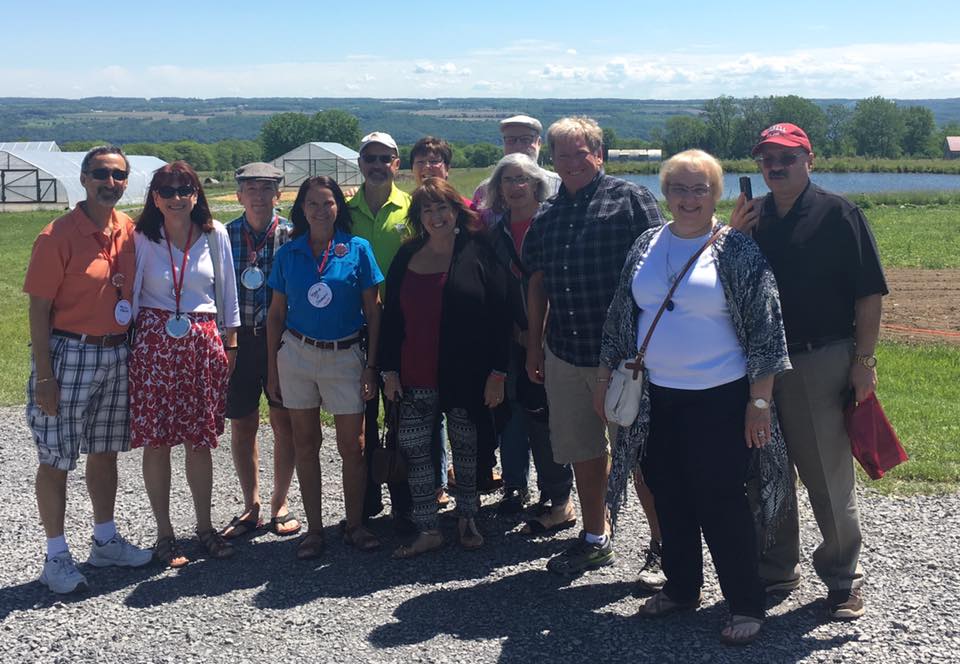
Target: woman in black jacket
444 348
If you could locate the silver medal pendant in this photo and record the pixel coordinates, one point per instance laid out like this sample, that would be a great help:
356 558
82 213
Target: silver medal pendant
252 278
117 280
178 326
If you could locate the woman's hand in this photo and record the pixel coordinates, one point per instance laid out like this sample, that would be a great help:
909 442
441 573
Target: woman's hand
535 365
368 383
493 390
391 385
745 214
757 426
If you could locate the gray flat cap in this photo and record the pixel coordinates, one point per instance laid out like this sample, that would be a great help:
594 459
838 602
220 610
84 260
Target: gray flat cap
523 121
258 170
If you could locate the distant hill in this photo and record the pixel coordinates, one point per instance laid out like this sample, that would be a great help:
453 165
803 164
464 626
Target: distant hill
463 120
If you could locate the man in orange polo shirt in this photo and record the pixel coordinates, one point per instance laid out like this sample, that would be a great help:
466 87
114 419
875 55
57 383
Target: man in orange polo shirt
79 281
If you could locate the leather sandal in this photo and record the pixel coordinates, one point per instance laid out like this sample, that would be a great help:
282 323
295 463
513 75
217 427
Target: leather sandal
740 621
470 537
167 551
217 547
360 538
311 546
554 519
428 540
661 605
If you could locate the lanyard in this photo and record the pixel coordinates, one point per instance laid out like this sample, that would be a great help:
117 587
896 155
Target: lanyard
252 251
326 255
111 253
178 288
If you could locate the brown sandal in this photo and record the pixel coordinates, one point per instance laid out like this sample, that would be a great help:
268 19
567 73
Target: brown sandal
217 547
360 538
167 551
311 546
428 540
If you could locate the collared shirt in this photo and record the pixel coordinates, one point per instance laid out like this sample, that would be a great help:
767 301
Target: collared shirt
254 303
387 229
349 269
69 267
579 242
824 258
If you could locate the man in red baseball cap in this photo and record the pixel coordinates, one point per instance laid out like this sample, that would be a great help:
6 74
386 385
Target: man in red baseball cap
831 283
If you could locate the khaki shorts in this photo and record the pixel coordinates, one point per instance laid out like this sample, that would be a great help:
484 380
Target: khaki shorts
311 377
576 432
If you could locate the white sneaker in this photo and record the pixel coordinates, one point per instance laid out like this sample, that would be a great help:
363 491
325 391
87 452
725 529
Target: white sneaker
60 574
118 552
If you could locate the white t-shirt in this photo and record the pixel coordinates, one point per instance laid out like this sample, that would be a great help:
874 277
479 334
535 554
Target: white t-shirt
694 346
153 284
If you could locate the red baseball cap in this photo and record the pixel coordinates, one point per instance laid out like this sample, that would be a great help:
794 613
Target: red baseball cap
785 134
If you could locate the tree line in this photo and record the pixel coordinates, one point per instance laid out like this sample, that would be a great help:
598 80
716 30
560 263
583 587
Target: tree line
873 127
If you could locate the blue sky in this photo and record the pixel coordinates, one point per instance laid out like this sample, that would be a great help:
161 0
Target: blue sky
623 49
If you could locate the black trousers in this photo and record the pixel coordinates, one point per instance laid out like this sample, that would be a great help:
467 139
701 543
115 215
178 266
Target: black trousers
696 467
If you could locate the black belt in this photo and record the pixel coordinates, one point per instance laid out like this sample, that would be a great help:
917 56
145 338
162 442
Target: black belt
326 345
253 331
813 344
105 341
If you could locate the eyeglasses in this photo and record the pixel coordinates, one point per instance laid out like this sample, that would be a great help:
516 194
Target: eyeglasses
679 190
517 181
382 158
522 140
104 173
785 159
183 191
420 163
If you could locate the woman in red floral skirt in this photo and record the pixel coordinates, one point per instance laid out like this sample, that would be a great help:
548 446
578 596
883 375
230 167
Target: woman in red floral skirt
180 365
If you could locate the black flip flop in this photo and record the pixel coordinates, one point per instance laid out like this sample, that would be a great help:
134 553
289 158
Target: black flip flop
279 521
241 527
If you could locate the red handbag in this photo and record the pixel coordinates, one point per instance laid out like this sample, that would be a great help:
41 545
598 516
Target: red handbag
873 441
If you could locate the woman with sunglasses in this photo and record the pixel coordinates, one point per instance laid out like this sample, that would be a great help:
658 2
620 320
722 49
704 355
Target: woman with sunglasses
325 284
705 417
445 347
180 364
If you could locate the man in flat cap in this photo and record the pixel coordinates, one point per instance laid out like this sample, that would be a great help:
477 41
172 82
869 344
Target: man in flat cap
831 284
255 237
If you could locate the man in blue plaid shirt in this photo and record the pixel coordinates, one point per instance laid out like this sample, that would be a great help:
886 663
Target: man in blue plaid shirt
255 237
575 249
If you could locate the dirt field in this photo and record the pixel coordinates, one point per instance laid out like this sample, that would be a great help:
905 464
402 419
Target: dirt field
923 305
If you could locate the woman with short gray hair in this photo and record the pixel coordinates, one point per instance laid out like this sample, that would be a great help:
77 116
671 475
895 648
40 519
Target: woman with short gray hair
515 192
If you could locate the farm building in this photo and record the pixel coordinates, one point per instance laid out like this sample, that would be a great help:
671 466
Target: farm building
634 155
331 159
951 147
29 146
32 179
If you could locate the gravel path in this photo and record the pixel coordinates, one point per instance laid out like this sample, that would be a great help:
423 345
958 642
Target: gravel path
497 604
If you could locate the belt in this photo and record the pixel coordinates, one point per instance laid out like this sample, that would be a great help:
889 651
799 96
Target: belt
253 331
813 344
326 345
106 341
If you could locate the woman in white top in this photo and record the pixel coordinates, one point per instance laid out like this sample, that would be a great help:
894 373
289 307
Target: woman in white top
179 364
706 412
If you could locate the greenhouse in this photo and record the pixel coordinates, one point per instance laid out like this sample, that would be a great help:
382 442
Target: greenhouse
331 159
34 179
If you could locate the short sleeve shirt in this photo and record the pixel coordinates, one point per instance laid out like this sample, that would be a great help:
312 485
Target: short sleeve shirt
580 242
387 229
824 258
69 265
349 270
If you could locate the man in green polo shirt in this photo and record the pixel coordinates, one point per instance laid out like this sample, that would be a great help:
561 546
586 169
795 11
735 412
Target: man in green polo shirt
379 214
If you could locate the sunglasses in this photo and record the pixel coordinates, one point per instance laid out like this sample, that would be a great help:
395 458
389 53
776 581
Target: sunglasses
770 161
104 173
382 158
183 191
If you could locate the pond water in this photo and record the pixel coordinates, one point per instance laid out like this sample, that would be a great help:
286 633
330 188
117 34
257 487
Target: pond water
841 183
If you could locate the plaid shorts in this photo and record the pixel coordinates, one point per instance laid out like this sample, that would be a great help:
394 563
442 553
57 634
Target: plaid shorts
93 415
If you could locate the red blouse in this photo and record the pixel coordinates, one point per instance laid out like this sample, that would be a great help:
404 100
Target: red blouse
420 301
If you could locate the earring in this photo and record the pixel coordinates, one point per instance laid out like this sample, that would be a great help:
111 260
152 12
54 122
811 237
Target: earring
456 231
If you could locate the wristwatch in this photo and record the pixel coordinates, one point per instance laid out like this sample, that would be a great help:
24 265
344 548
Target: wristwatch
760 403
869 361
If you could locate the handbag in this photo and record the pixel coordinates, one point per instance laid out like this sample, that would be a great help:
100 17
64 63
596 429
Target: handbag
873 441
389 464
625 389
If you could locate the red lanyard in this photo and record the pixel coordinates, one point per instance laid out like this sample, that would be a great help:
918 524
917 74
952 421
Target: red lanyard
326 255
178 287
253 251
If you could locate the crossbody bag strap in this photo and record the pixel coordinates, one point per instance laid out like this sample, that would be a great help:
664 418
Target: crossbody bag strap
637 364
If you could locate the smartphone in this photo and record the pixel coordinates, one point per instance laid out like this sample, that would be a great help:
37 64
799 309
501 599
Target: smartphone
746 187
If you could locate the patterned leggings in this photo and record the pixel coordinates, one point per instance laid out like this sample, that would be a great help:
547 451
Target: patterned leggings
419 409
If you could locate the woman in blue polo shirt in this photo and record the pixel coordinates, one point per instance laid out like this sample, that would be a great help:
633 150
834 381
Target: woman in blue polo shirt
325 288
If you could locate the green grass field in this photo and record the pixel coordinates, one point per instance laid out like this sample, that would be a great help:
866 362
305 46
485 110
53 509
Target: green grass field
919 384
